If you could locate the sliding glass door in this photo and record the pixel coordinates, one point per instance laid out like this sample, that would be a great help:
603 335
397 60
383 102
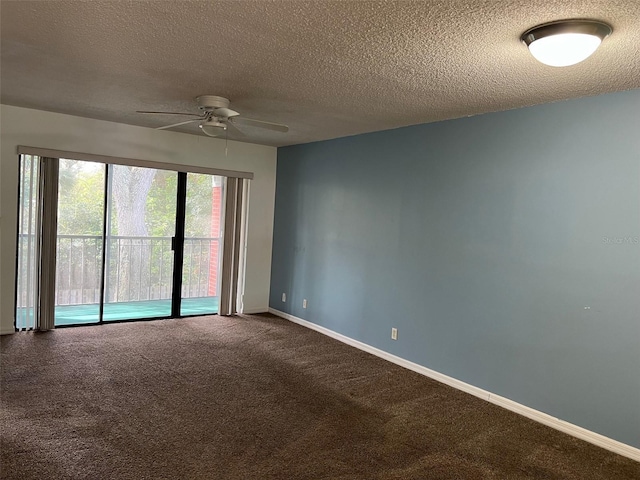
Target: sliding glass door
79 245
202 245
141 215
127 239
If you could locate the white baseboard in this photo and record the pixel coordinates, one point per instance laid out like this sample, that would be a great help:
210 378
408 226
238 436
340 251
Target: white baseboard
7 332
553 422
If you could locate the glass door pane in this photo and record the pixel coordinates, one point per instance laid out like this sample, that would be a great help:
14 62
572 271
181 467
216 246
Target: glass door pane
202 245
79 242
141 223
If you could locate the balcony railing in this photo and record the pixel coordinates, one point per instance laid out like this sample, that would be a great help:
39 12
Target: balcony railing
138 268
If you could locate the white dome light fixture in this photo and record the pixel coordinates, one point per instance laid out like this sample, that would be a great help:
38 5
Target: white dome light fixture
213 127
565 42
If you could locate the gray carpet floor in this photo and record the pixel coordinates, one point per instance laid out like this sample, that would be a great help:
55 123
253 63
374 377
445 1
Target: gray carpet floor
255 397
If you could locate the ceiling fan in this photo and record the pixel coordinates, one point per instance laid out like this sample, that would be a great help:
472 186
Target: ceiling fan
216 116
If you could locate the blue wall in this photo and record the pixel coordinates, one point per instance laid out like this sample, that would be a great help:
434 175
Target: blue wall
504 247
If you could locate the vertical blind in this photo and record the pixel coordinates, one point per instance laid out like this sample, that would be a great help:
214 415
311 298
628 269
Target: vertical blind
232 246
27 284
37 226
49 205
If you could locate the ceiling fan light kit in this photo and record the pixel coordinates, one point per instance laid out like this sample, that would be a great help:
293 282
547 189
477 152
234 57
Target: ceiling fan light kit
213 128
565 42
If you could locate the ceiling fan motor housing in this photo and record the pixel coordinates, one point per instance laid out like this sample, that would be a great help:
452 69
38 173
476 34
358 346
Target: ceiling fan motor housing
211 102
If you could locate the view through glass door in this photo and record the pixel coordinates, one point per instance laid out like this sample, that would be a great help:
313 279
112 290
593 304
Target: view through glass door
115 243
141 215
81 187
202 244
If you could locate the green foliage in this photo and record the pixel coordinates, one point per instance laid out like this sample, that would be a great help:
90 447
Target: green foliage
81 202
80 198
161 204
199 205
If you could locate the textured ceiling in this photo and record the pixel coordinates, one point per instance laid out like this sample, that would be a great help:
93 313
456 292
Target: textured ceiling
326 68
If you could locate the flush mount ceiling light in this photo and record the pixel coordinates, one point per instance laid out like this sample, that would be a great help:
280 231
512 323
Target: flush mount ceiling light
566 42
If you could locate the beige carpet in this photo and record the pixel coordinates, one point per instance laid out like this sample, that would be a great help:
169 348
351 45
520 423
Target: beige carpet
255 397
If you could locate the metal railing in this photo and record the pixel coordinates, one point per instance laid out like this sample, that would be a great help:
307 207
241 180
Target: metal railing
138 268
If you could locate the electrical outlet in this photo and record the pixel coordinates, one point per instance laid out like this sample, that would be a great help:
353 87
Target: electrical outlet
284 297
394 334
304 303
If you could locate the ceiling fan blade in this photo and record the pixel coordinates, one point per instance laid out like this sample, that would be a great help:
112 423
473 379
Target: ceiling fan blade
225 112
235 130
169 113
178 124
278 127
